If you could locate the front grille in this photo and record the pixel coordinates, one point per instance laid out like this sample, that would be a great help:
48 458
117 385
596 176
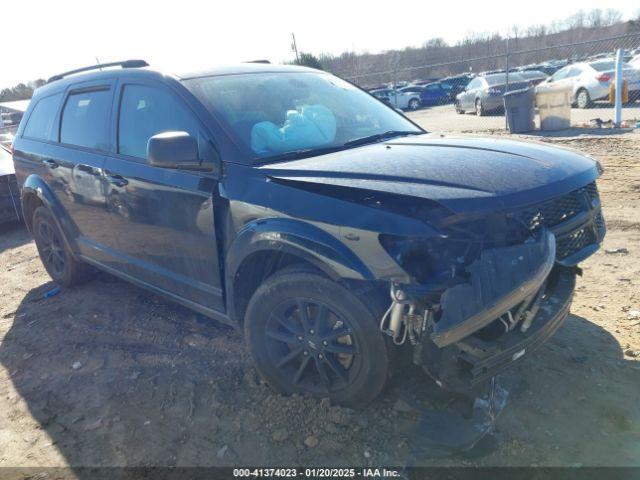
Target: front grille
575 241
555 211
554 214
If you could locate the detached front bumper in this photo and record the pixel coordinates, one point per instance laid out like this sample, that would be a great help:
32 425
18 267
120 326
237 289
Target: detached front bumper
515 299
499 280
480 360
471 361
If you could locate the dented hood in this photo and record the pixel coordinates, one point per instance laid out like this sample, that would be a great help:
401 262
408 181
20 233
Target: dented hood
494 173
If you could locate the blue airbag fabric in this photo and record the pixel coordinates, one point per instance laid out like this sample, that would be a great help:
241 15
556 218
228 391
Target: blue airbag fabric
310 127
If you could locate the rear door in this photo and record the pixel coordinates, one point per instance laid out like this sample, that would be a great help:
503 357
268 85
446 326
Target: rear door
84 141
163 218
65 141
431 95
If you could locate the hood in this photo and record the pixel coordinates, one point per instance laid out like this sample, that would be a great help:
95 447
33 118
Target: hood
492 173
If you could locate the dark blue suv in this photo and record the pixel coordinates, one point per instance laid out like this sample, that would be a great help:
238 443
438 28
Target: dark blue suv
292 204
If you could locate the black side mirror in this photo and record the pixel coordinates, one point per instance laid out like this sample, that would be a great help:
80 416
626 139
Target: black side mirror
177 150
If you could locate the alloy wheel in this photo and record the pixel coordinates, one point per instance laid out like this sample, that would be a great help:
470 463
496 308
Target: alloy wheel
311 345
52 249
583 99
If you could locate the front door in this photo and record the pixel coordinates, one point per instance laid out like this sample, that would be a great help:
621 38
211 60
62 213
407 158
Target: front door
469 95
163 219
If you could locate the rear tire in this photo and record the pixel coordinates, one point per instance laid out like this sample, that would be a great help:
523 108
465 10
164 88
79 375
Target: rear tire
55 256
414 104
459 111
310 335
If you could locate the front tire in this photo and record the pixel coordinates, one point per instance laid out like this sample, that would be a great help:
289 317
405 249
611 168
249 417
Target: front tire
583 99
55 256
310 335
479 108
414 104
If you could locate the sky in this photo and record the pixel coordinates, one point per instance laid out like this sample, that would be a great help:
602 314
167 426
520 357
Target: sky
49 36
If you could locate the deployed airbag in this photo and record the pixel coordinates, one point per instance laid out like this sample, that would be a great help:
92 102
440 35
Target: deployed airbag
311 126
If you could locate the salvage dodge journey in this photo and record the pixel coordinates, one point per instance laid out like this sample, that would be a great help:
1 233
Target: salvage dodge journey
340 236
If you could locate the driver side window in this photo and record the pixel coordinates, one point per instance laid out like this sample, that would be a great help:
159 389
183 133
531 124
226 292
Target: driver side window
146 111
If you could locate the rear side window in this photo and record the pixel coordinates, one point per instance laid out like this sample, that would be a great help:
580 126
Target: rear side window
85 119
146 111
41 120
603 66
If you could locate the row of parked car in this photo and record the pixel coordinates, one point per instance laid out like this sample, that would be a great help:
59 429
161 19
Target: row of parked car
590 81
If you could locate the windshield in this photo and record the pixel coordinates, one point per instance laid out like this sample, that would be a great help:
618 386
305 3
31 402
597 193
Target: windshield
274 114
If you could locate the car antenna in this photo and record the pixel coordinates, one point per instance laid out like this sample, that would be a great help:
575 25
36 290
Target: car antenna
99 64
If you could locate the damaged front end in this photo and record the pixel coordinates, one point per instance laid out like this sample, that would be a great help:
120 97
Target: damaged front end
490 290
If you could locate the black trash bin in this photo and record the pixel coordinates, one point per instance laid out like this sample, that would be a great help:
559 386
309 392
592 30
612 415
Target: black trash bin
519 107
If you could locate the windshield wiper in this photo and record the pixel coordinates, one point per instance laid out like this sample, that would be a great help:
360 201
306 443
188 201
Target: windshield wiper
302 153
380 136
312 152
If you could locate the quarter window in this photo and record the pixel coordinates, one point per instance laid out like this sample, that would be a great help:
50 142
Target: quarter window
41 120
85 119
146 111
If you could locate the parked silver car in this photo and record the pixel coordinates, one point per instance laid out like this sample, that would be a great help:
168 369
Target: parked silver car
591 81
484 93
398 98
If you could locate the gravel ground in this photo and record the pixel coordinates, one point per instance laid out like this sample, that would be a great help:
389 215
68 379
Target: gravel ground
108 374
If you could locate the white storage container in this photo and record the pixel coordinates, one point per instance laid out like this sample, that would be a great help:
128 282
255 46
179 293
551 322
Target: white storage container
554 106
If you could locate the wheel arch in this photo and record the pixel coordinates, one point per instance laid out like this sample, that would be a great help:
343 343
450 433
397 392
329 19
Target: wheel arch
36 192
264 247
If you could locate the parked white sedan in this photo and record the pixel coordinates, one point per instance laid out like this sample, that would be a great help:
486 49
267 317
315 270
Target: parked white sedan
398 99
591 80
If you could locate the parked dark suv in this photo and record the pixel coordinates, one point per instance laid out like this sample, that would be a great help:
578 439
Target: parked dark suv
290 203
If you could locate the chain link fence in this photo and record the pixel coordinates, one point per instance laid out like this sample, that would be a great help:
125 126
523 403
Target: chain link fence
446 89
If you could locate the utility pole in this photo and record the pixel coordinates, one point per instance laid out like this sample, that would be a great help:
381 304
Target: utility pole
506 89
294 47
619 84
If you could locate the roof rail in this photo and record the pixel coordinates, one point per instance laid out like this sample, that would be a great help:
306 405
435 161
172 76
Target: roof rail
257 61
123 64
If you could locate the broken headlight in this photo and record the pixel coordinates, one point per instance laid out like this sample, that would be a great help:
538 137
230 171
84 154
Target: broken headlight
434 261
441 261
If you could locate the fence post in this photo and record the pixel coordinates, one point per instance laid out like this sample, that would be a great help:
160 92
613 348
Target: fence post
618 85
506 88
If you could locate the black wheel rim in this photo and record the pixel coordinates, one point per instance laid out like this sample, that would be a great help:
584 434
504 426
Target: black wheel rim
311 346
51 248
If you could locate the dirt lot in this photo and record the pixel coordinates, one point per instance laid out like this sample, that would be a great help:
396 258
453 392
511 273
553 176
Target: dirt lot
108 374
445 119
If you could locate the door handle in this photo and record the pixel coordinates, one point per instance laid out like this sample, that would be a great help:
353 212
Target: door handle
117 180
50 163
87 169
